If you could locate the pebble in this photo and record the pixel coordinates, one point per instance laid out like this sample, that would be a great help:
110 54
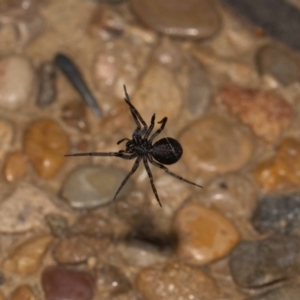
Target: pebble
47 88
28 256
175 280
46 143
283 170
91 186
266 113
74 114
2 296
106 23
15 166
215 144
279 64
60 282
199 89
278 214
259 263
78 248
158 93
24 210
111 281
204 235
232 194
16 71
6 136
285 292
23 292
196 19
58 224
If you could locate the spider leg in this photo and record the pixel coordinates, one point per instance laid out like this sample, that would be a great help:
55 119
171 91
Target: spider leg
135 166
118 154
159 130
122 140
150 127
151 179
139 121
156 164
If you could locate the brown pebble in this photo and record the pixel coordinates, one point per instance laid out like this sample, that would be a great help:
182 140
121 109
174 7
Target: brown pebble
65 283
6 137
78 248
27 257
214 144
266 113
191 18
175 280
2 296
204 235
23 292
45 143
15 166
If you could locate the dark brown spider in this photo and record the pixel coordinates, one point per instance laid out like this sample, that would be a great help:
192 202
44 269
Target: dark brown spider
165 151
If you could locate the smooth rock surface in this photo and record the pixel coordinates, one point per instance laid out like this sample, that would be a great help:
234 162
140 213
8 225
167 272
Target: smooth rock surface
190 19
46 143
259 263
27 257
204 235
23 292
214 144
175 280
266 113
15 166
67 284
16 71
90 186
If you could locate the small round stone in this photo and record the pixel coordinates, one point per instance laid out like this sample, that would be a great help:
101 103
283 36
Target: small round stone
90 186
266 113
175 280
278 214
6 137
65 283
277 63
27 257
190 19
214 144
46 143
23 292
15 166
256 264
16 71
204 235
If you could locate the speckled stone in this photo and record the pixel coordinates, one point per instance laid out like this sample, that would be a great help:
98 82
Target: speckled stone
192 19
278 63
266 113
204 235
90 186
6 136
58 224
111 281
15 166
45 143
64 283
27 257
232 194
16 71
159 93
175 280
278 214
78 248
258 263
23 292
285 292
214 144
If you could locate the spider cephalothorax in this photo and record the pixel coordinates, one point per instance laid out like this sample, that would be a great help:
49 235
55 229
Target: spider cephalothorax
165 151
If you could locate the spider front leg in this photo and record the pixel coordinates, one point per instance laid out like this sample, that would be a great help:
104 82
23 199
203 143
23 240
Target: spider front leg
159 130
151 179
156 164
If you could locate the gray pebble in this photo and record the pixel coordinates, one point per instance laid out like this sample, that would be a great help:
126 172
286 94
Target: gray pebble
258 263
89 186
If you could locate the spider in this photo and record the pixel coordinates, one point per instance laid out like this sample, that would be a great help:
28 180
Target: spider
165 151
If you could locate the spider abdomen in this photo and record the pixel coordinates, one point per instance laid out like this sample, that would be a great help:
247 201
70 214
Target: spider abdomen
167 151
